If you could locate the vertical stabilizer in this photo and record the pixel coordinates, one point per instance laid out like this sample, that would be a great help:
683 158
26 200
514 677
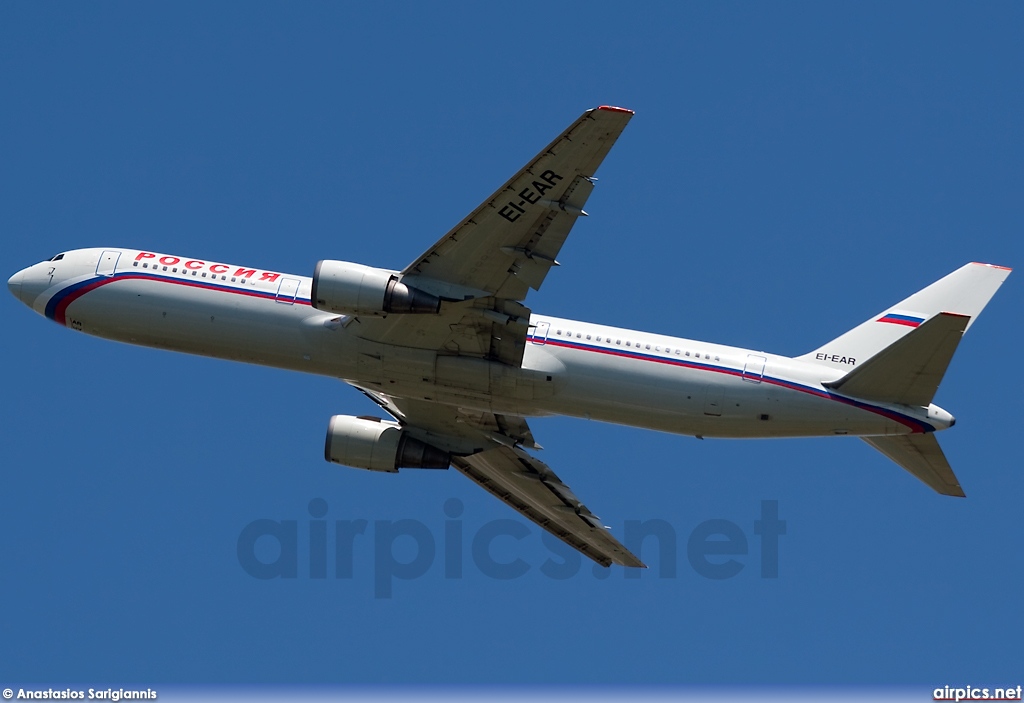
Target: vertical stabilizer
964 292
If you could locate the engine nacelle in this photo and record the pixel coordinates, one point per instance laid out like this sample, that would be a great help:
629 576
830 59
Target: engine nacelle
377 445
354 289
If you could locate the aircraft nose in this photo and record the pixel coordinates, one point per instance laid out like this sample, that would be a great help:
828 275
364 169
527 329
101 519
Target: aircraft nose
14 284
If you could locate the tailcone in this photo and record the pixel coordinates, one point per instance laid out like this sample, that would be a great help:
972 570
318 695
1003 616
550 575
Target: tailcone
940 418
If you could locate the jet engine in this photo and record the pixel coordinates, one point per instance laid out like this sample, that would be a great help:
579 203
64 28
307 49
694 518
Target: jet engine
354 289
377 445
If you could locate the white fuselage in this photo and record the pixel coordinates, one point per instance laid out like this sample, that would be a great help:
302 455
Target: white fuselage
569 368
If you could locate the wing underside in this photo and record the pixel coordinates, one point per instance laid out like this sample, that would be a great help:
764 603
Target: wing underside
532 488
488 450
508 243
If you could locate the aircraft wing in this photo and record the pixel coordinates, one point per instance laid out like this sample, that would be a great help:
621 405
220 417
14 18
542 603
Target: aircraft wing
487 449
531 487
510 241
484 267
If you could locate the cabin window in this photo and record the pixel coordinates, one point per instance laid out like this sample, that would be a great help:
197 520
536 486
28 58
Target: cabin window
135 263
204 274
577 335
559 333
588 336
648 346
687 352
165 268
194 273
599 339
175 269
656 348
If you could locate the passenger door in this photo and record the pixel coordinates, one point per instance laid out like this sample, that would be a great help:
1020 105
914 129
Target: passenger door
753 370
287 290
107 263
540 333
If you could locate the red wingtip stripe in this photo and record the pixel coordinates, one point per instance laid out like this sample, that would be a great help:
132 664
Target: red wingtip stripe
1001 268
612 108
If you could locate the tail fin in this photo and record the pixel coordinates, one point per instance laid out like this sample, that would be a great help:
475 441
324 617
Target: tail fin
921 455
965 292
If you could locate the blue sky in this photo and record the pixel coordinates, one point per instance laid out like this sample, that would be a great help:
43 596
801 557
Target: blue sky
791 170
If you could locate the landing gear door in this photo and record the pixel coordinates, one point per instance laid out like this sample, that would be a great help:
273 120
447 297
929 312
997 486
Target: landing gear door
107 263
540 333
713 400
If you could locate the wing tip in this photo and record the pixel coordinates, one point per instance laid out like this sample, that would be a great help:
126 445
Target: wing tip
979 263
613 108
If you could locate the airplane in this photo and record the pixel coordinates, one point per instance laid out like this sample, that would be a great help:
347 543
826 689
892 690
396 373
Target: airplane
450 352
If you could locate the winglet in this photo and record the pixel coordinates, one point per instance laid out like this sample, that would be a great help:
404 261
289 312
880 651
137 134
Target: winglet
612 108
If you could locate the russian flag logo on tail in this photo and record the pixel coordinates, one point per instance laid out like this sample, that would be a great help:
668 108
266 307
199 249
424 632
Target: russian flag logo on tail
907 320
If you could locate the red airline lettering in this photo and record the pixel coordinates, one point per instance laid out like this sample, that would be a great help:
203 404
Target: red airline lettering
196 264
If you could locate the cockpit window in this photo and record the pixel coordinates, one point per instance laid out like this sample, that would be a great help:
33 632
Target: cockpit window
57 258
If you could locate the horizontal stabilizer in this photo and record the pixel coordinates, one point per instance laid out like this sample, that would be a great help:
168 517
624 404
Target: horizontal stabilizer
921 455
909 370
